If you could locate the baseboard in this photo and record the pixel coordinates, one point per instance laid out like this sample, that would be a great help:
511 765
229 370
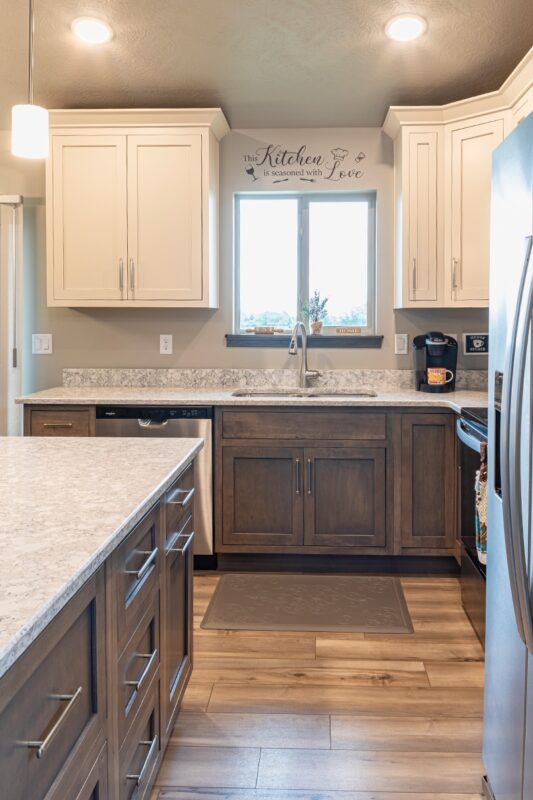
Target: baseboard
396 565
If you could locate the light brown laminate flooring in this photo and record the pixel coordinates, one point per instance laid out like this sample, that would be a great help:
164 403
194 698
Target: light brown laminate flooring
325 716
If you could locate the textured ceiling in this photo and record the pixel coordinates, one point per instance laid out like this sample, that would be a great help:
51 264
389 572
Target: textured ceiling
268 63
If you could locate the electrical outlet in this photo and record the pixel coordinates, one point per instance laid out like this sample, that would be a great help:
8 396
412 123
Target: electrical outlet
165 344
401 344
41 344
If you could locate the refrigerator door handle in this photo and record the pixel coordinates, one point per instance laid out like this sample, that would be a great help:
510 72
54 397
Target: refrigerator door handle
517 380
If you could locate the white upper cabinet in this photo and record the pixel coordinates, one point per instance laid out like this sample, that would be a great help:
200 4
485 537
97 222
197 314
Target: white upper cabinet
86 218
467 216
165 217
442 178
132 208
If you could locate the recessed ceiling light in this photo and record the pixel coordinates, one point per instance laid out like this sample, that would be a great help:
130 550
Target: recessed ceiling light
92 30
405 27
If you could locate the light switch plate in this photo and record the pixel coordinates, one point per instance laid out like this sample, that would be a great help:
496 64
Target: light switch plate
41 344
401 344
165 344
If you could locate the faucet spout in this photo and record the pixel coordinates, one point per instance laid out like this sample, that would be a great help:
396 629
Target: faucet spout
293 351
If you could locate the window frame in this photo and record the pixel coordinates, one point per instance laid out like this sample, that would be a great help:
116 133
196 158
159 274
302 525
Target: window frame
304 199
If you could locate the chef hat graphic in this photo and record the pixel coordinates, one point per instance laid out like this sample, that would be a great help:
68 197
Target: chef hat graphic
340 153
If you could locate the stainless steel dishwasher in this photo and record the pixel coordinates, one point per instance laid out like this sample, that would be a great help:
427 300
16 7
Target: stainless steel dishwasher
182 422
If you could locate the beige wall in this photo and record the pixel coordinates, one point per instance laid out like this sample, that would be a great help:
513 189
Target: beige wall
130 337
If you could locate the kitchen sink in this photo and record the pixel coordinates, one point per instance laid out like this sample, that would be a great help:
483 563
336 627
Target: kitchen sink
294 392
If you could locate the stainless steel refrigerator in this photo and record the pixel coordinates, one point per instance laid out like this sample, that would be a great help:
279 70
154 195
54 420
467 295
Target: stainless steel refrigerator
508 721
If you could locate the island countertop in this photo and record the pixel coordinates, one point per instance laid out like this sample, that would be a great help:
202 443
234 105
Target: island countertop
65 504
223 396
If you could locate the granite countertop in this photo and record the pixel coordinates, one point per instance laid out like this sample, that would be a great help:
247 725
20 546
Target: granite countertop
65 504
222 396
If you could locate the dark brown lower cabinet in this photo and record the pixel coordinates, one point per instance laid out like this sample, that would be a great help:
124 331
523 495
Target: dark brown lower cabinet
345 497
53 701
263 496
177 620
86 711
428 481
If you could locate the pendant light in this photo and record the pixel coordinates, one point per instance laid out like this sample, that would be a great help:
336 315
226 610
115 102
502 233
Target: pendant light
29 123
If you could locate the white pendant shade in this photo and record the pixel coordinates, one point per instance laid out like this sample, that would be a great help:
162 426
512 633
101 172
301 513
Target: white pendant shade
29 131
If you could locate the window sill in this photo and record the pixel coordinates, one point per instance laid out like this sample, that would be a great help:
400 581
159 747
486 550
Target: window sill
322 341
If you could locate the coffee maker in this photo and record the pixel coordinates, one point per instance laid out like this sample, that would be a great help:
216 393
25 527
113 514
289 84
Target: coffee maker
435 362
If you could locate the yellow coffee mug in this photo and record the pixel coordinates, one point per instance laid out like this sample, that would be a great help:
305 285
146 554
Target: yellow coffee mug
437 376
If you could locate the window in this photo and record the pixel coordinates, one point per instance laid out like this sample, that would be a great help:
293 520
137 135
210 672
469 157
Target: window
289 246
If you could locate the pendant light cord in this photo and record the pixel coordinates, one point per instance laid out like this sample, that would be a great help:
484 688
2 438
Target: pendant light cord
30 55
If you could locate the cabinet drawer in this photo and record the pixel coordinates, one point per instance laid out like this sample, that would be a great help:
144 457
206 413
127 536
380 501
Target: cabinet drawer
298 425
139 756
179 500
59 422
137 574
50 721
137 666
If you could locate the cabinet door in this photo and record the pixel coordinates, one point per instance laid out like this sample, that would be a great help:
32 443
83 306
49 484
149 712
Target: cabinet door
262 491
345 497
428 489
469 211
177 621
421 217
87 241
165 217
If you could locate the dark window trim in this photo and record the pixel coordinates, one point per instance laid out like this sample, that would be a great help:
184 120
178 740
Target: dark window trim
281 341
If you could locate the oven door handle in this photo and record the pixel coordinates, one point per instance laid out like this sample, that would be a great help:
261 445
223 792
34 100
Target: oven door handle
467 438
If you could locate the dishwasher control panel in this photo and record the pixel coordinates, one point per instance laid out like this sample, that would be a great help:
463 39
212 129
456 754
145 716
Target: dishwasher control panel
156 413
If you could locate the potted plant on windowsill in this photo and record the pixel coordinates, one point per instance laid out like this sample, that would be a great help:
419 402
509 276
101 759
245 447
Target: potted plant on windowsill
316 311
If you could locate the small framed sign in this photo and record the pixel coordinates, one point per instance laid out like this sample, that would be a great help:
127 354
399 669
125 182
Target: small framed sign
476 344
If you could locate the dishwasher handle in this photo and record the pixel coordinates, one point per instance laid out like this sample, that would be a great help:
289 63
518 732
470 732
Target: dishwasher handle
149 423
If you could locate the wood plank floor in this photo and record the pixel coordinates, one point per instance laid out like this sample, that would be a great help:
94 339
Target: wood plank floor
325 716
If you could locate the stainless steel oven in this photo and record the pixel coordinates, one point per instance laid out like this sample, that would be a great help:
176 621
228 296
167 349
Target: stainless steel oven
472 433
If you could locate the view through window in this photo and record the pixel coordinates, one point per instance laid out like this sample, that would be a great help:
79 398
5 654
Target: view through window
291 246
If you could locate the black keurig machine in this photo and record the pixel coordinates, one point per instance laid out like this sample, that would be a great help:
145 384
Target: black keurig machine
435 362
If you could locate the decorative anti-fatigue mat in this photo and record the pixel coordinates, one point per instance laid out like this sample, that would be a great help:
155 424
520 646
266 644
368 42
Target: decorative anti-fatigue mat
349 603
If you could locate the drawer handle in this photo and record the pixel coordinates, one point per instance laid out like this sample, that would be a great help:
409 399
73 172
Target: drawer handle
176 534
297 476
57 425
186 546
152 745
189 494
151 658
309 476
42 746
141 572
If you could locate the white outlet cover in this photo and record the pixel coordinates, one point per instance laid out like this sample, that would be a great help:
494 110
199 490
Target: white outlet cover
41 344
401 344
165 344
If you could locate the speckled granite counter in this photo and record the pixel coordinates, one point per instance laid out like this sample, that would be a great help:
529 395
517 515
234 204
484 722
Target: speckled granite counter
222 396
65 504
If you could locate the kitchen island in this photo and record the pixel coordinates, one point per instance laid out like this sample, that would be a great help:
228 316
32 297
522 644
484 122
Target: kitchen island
95 614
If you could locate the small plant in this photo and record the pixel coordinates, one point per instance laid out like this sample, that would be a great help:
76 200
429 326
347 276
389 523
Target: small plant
316 308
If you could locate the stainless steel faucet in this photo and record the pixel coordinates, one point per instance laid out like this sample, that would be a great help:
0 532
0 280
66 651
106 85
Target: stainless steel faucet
305 372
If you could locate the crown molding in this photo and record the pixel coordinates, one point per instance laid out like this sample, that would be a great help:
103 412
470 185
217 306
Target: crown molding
212 118
510 92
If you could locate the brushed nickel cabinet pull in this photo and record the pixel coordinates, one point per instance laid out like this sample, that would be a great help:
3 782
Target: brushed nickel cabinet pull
142 677
141 572
152 745
188 539
132 275
414 278
189 494
57 425
297 476
454 273
309 476
121 274
43 745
